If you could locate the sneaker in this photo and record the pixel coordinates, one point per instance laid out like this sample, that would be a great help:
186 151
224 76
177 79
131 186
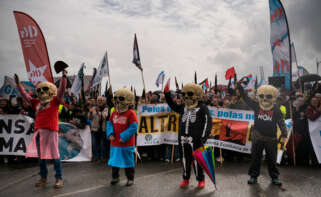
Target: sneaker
184 183
276 181
59 183
201 184
167 160
218 159
42 182
130 183
114 181
252 180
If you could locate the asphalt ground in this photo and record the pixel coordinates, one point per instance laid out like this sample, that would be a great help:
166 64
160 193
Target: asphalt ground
155 178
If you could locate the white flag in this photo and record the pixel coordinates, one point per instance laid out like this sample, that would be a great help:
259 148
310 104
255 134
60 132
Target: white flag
102 71
160 78
77 84
9 88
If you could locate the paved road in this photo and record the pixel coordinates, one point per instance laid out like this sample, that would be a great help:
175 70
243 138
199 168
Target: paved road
157 179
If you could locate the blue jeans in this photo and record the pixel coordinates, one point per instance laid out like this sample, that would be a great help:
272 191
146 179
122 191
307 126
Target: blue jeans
43 164
99 144
168 151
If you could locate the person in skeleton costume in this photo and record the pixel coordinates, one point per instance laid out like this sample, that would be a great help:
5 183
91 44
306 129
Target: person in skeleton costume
44 144
264 133
121 129
195 126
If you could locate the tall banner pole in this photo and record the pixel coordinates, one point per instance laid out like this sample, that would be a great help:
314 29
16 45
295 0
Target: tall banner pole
290 53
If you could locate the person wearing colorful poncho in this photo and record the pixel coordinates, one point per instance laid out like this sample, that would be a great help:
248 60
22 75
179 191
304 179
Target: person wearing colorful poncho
121 129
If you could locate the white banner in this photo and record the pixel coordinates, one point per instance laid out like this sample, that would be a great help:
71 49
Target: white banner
231 128
74 143
315 134
16 133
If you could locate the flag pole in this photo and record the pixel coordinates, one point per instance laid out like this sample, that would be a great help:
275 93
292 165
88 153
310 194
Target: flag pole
107 64
143 79
162 85
290 50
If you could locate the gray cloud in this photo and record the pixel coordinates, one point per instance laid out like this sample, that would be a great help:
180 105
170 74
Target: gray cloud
178 36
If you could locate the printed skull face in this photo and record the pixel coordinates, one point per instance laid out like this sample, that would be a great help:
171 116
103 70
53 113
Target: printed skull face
46 91
123 98
192 93
267 96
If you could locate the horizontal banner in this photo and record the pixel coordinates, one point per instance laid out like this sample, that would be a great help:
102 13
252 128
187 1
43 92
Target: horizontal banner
158 124
16 133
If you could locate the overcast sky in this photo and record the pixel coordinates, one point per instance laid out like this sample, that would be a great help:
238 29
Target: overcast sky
177 36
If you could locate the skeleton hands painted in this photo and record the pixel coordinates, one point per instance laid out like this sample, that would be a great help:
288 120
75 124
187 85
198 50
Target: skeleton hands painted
123 99
267 96
192 93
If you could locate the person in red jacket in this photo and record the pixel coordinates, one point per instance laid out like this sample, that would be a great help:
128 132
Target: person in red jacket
313 111
44 144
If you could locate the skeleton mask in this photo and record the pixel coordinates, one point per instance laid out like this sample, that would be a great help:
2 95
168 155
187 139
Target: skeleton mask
192 93
123 98
267 95
46 91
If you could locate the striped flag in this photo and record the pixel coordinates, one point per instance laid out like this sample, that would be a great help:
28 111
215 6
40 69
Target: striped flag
160 78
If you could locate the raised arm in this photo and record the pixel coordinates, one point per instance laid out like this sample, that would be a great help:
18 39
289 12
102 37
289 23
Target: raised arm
252 104
26 97
62 87
172 104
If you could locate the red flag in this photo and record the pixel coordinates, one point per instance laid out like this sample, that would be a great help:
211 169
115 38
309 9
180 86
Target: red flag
229 73
166 89
34 49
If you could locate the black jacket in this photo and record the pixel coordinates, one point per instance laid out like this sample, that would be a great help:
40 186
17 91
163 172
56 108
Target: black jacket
196 122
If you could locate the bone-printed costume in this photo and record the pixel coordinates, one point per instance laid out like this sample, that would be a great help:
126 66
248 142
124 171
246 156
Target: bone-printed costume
195 126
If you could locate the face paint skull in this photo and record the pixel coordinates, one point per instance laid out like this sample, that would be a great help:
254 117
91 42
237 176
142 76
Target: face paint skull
46 91
123 98
192 93
267 95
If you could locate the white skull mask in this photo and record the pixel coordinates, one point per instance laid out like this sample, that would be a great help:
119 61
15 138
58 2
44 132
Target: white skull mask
267 96
192 93
46 91
123 99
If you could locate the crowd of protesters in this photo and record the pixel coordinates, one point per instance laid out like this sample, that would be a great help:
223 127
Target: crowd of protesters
95 111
